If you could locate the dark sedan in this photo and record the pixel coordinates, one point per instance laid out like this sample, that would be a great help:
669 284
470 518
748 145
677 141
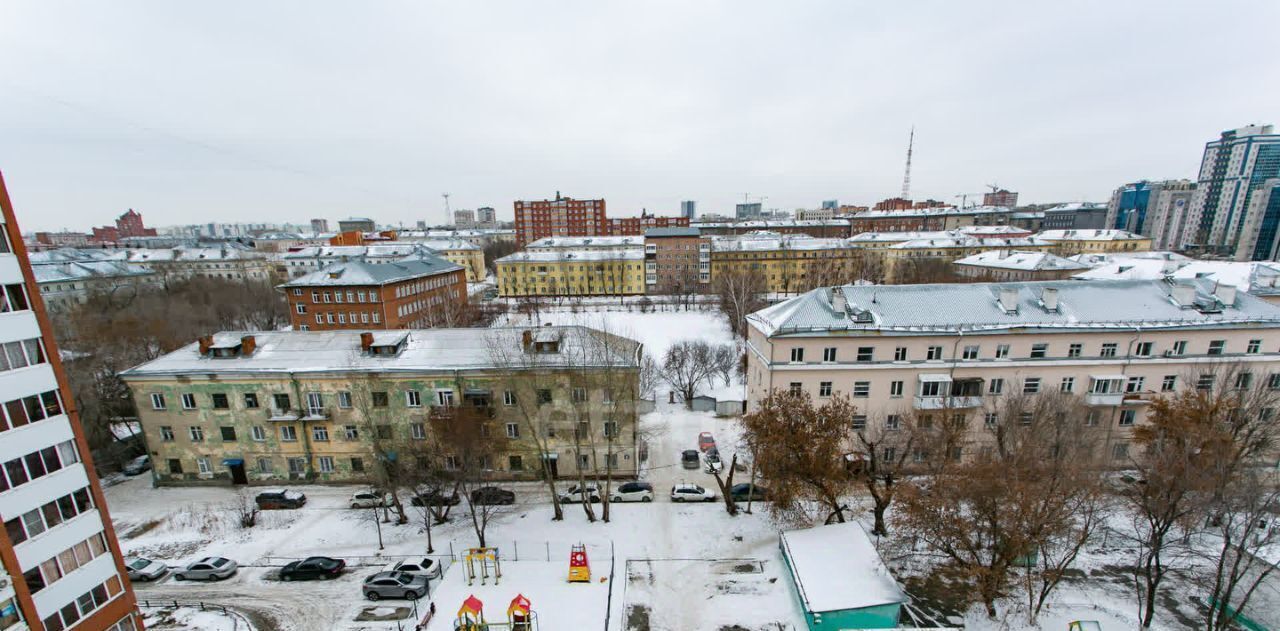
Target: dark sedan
435 498
492 495
748 492
312 568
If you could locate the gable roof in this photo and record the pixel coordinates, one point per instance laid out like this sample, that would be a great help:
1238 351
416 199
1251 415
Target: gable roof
359 273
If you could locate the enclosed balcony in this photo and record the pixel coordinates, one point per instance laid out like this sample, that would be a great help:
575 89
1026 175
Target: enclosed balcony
943 392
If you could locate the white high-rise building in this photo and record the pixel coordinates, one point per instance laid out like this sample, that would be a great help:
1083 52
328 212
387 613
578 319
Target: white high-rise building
59 548
1233 167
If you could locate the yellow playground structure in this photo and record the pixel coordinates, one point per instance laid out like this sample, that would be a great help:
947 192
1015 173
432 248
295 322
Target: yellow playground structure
484 559
579 567
520 616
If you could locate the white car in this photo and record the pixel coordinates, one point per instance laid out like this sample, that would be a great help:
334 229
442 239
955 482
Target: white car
691 493
370 499
144 569
633 492
575 494
425 566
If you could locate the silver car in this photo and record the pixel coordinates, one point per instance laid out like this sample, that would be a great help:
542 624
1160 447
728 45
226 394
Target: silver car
207 569
425 566
144 569
395 585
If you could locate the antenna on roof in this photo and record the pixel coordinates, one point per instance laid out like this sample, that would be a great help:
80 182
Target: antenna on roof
906 178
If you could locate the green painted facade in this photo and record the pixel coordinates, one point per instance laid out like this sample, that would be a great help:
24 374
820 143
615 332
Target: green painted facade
875 617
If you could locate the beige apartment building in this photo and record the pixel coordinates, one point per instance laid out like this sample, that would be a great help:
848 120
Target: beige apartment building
325 406
956 349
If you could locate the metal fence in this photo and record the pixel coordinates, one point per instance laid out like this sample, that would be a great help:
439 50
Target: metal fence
238 620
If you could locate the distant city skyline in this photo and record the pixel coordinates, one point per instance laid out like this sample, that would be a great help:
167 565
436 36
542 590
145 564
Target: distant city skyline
191 114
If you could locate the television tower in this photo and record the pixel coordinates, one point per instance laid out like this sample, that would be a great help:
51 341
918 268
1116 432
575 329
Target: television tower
448 215
906 178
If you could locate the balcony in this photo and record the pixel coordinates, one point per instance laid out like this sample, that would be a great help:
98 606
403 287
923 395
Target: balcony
1104 398
947 402
282 414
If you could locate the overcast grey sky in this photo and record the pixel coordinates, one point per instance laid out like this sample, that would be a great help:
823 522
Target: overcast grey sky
283 111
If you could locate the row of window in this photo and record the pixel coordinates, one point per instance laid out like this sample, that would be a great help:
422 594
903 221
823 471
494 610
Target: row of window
1119 452
35 521
1034 385
418 287
85 605
960 420
321 433
64 563
378 399
30 409
14 298
1038 351
342 318
38 464
337 297
297 465
21 353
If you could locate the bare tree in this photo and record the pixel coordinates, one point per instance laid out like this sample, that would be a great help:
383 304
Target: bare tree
687 364
470 447
883 447
245 508
739 291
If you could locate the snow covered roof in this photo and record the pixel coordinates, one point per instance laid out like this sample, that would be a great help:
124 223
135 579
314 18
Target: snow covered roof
425 350
353 273
573 243
1089 235
1102 258
766 240
1255 277
765 224
228 252
836 568
923 212
966 241
68 255
84 270
552 256
1020 260
976 307
1075 206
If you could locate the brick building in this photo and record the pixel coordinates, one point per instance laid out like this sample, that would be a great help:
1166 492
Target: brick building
559 217
127 225
420 293
623 226
676 261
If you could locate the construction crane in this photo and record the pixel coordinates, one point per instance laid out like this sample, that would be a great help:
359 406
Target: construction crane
964 198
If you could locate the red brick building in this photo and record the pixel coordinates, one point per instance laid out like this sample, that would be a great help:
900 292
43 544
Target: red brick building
626 226
127 225
559 217
414 293
676 261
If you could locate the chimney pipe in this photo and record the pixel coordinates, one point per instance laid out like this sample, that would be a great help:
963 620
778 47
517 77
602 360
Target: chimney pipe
1227 294
1184 295
205 342
1009 300
839 302
248 344
1050 299
366 341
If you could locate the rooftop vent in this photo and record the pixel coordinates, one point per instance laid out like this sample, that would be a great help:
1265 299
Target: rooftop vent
1184 295
1226 294
1009 300
1049 298
839 303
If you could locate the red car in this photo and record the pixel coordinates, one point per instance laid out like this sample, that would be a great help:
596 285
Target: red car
706 442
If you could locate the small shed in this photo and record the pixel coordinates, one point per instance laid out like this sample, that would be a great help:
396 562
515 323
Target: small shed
729 407
702 403
839 579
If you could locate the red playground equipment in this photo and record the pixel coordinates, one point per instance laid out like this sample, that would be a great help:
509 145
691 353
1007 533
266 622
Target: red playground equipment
520 616
579 568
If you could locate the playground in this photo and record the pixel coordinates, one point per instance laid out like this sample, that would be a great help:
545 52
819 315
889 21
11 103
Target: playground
487 586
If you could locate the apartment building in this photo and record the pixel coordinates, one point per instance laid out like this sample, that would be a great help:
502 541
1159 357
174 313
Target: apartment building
260 408
929 219
559 217
228 261
68 276
409 294
619 226
58 548
1013 265
458 251
1086 241
825 229
787 263
1232 169
569 272
958 348
676 261
585 244
1262 218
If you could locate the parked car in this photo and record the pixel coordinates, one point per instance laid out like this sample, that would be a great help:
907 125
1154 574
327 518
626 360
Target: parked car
138 465
633 492
144 569
370 499
207 569
706 441
712 460
395 585
746 491
575 494
280 498
492 495
425 566
689 459
312 568
691 493
434 497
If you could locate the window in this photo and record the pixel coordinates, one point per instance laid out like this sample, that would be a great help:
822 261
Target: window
1002 351
1120 451
175 466
544 396
325 463
797 354
444 397
865 353
320 433
197 434
829 354
264 465
379 399
1143 349
970 352
990 420
202 465
300 308
418 431
1108 350
250 400
508 398
280 401
1135 384
1025 418
383 432
893 422
610 429
1169 383
824 389
1254 347
1075 349
1030 385
1127 417
996 386
515 463
1091 420
1273 381
157 402
1205 382
795 388
413 398
220 401
1244 380
934 353
861 389
895 388
344 400
1068 384
228 433
188 401
579 395
513 430
350 432
1216 347
859 421
1179 348
357 465
900 354
1039 351
258 433
932 388
297 466
166 433
288 433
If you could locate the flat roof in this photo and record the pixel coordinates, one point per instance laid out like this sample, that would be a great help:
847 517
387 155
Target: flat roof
836 568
